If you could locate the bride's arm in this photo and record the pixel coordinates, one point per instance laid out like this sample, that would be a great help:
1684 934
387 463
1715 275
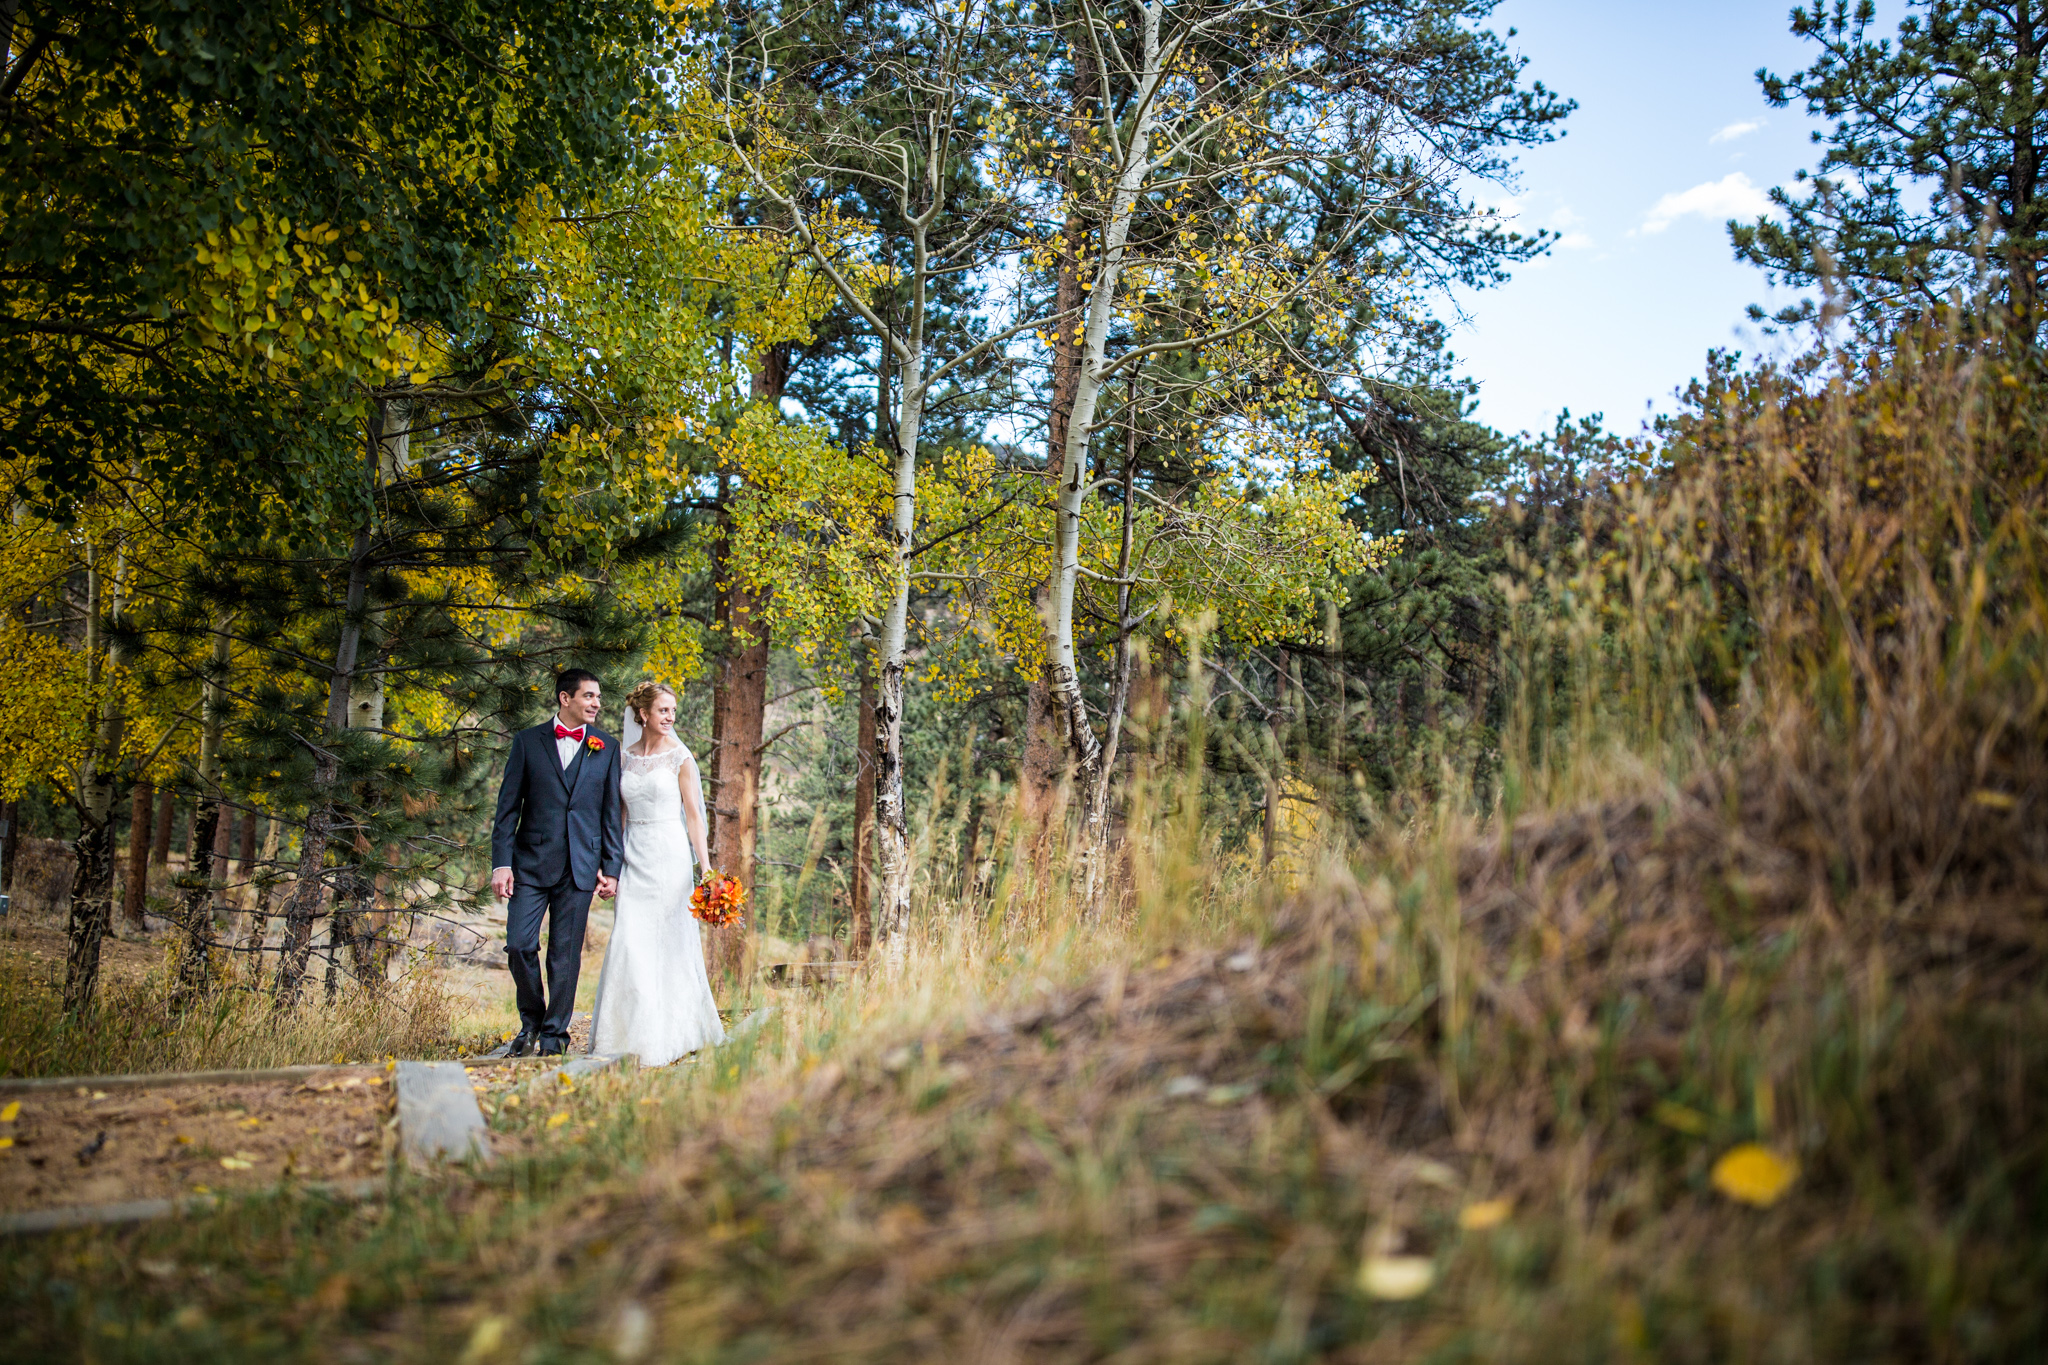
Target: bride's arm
693 808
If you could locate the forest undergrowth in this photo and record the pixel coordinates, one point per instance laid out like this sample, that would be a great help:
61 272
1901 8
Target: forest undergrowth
1761 873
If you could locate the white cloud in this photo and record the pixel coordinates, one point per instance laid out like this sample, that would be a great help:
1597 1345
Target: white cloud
1736 130
1732 196
1573 241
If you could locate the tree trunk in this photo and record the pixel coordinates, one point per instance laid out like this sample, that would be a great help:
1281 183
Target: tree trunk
1340 708
10 835
1044 780
92 886
195 965
892 827
1092 375
263 884
322 817
739 703
1095 816
223 861
739 708
166 817
140 826
861 931
1044 777
245 860
355 891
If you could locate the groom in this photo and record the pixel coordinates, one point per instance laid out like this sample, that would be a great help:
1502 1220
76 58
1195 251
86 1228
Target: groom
555 840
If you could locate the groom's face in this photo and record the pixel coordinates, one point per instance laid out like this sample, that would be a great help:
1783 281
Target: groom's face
581 707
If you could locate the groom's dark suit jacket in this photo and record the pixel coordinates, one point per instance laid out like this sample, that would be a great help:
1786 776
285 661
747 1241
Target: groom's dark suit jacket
552 819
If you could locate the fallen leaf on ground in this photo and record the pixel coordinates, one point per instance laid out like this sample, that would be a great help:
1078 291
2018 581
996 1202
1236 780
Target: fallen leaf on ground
1754 1174
1396 1277
485 1339
1490 1213
11 1112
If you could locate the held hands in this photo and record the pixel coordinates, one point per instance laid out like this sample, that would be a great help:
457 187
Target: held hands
607 887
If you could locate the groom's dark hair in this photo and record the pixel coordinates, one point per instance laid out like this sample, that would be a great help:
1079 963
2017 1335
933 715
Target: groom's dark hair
570 681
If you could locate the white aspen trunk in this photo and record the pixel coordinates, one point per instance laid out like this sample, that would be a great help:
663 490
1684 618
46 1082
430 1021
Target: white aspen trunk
1095 828
195 963
92 897
1071 497
892 829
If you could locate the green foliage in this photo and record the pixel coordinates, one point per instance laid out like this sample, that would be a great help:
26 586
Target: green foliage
218 216
1929 175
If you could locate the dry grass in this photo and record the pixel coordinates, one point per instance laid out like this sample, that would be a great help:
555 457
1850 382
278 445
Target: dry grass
134 1029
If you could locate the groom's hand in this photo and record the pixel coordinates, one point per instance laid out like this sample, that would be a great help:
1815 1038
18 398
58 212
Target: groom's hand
607 887
501 883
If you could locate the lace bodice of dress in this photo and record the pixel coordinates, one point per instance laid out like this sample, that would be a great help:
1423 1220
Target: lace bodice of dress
651 787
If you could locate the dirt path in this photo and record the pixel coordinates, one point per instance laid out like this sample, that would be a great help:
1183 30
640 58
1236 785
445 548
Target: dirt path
32 949
106 1147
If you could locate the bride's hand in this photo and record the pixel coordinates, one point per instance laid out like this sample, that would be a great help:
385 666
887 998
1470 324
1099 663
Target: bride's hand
607 887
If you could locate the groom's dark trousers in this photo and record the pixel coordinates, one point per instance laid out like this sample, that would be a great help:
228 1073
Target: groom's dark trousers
557 829
567 908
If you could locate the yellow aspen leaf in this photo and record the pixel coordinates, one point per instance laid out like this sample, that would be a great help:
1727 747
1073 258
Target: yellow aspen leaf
1396 1277
1489 1213
11 1112
1754 1174
485 1339
556 1120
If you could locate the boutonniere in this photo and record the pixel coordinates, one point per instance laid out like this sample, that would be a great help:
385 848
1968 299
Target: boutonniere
595 744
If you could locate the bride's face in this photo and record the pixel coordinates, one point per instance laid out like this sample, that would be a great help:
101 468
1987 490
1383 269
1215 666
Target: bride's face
661 715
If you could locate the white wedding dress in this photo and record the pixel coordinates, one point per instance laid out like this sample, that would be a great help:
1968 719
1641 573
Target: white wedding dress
654 996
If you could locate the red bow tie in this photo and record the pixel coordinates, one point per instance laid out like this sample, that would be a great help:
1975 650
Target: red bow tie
564 732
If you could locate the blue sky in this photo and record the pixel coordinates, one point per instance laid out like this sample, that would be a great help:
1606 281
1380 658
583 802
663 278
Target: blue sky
1671 138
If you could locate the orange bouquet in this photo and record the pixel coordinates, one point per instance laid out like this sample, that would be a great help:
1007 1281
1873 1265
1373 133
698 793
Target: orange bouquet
718 899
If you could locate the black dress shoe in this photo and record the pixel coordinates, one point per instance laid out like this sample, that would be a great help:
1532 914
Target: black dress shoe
522 1046
554 1047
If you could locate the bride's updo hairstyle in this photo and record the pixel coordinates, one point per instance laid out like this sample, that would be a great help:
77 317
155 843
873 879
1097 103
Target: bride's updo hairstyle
641 698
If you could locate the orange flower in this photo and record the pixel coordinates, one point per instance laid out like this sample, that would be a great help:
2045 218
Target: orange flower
595 743
718 899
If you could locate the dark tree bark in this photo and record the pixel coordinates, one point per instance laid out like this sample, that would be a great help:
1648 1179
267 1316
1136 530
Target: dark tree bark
166 817
141 824
10 815
739 707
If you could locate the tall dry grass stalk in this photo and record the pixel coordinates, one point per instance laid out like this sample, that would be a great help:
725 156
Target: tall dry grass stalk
235 1025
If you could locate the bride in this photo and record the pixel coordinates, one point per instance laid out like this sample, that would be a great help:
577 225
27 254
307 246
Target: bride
654 996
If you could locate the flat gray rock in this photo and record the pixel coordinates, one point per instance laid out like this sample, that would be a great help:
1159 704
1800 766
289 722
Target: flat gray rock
438 1117
589 1065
